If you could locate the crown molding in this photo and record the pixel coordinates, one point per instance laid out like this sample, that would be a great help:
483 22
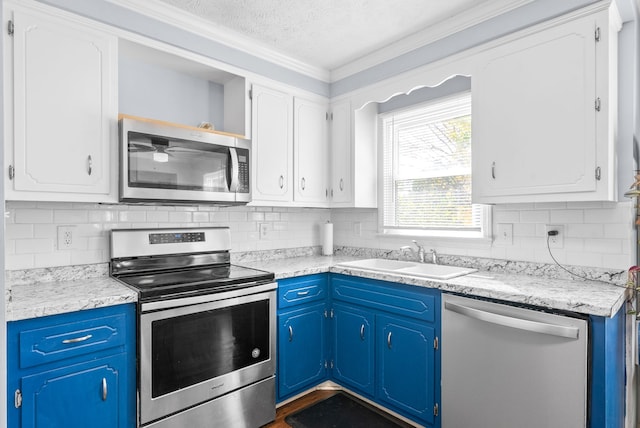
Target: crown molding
176 17
447 27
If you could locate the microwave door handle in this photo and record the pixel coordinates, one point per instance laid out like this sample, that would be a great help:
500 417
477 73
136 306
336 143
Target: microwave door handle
234 170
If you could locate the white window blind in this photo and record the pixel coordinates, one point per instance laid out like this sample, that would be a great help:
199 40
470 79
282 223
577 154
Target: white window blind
427 167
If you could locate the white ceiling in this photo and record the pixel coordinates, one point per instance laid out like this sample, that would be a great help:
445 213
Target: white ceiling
329 34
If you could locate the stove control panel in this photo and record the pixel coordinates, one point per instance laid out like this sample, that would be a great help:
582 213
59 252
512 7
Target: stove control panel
173 237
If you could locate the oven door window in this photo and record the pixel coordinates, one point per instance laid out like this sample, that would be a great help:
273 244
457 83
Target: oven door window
197 347
160 163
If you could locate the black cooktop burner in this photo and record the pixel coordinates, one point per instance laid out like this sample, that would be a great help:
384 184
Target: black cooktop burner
193 281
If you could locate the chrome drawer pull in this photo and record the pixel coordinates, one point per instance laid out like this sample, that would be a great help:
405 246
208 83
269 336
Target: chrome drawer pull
281 181
290 334
362 332
389 340
104 389
303 293
89 165
77 339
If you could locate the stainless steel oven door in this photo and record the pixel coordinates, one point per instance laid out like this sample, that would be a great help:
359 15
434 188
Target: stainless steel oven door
199 349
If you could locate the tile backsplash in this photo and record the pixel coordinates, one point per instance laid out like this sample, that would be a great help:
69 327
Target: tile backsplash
32 228
595 234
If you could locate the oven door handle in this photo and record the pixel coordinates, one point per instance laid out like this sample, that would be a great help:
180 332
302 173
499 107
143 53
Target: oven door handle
233 170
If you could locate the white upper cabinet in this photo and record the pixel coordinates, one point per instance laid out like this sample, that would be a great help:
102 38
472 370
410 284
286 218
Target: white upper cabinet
272 145
290 149
341 185
544 115
310 151
61 109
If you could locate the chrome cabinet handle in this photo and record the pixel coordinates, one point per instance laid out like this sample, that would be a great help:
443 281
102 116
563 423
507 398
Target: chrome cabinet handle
303 183
303 293
290 334
362 332
341 184
493 170
89 165
512 322
389 340
281 181
77 339
104 389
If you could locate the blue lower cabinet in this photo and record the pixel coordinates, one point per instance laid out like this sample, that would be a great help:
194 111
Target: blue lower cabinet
353 348
81 395
73 370
302 330
385 345
301 350
406 367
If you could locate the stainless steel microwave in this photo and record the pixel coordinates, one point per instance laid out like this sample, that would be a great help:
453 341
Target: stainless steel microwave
166 163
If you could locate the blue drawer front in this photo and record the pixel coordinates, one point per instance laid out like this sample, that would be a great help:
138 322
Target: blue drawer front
389 297
300 290
58 342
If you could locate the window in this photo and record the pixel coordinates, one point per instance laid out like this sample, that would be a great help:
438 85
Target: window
427 170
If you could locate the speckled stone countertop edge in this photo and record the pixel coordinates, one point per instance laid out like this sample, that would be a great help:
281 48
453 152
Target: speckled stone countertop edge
41 292
581 296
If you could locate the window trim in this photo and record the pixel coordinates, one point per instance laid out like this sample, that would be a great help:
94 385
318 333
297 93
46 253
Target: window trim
485 233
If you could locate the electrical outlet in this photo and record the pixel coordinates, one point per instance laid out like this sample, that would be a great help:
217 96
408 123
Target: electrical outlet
66 237
556 241
264 230
504 234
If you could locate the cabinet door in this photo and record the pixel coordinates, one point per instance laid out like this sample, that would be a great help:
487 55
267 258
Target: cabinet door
353 350
534 117
301 349
406 366
272 145
64 111
311 151
341 159
83 395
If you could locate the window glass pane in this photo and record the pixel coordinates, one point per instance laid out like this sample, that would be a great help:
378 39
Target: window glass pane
427 167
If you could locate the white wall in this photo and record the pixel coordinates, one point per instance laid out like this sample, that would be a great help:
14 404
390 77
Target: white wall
31 228
596 234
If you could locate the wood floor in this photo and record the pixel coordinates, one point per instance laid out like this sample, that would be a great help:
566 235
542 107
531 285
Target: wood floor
294 406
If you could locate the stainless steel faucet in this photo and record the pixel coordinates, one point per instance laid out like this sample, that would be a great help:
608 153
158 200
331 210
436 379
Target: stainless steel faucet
434 256
421 252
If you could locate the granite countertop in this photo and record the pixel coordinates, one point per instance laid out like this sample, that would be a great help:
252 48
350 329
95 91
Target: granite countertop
586 297
38 299
30 296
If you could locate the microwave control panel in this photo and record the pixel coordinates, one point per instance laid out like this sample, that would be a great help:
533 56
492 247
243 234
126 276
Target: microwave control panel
243 171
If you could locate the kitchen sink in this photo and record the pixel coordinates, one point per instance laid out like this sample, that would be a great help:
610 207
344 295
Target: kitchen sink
409 268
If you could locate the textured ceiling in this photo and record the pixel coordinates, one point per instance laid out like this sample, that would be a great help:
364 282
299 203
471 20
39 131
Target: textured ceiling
326 33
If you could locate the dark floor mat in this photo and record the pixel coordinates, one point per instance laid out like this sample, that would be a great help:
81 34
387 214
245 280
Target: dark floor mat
341 411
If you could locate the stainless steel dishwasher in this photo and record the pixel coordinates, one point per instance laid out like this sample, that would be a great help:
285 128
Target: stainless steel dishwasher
506 367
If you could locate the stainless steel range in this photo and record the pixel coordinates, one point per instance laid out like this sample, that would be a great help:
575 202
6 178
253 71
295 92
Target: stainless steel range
206 332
